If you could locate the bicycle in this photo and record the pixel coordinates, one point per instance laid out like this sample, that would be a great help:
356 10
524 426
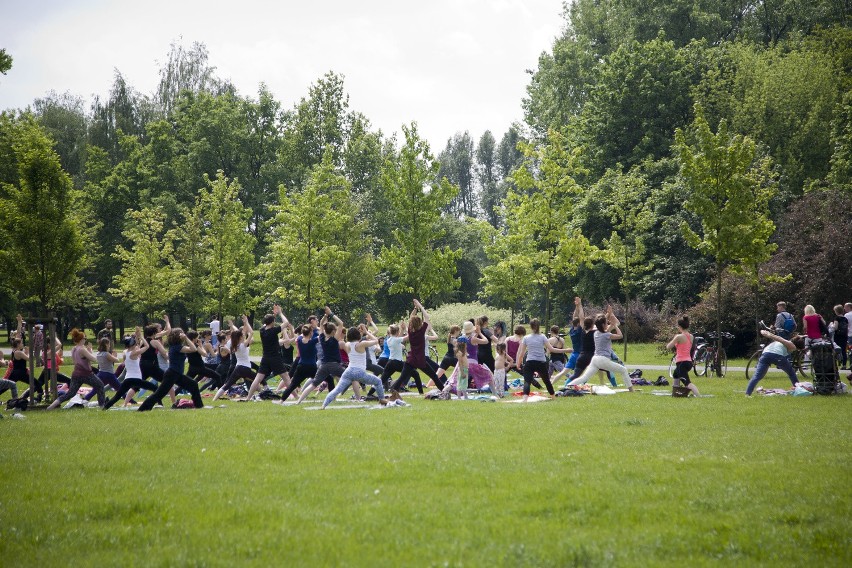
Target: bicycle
798 359
713 355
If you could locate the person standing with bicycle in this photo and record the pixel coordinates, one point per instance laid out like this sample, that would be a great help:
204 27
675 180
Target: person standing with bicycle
682 344
776 353
785 324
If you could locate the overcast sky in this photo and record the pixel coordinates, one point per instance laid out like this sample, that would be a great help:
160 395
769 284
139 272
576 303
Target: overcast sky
451 65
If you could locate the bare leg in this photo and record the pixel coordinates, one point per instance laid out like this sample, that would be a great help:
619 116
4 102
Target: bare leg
255 385
305 392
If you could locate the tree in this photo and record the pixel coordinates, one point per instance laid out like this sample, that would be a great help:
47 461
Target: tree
40 234
536 217
486 171
730 193
457 165
191 259
149 278
509 279
229 246
319 254
415 201
631 218
186 70
5 61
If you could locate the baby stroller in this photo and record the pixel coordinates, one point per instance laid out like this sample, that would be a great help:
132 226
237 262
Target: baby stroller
824 367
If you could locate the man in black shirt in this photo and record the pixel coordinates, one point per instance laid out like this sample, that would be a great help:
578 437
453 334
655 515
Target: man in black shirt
271 363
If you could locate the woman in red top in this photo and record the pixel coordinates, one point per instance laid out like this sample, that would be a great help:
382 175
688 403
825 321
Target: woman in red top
813 323
416 358
83 359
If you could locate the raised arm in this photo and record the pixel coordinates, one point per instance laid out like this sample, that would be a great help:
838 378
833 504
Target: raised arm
371 324
785 342
248 332
422 310
188 345
578 309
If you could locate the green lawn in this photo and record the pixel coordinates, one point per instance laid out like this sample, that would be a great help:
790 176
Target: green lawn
626 480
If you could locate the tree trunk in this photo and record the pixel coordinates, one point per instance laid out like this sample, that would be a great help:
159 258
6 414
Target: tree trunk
624 330
547 306
717 362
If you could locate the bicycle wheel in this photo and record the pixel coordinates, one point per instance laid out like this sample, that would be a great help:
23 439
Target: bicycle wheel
723 362
801 365
672 367
699 364
752 363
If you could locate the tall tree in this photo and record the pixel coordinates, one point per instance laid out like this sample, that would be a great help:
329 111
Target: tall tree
64 118
319 254
536 216
457 165
229 246
40 234
730 193
186 69
149 279
415 201
486 171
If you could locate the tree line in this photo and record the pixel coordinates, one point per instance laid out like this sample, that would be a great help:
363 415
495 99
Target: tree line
196 199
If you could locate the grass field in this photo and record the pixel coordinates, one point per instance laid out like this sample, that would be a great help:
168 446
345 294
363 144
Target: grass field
625 480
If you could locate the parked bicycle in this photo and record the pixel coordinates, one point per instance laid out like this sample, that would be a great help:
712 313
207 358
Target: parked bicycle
712 355
799 359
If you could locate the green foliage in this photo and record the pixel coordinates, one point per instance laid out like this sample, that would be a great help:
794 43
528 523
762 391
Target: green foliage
149 280
457 165
414 202
730 190
539 242
319 253
5 61
39 228
229 246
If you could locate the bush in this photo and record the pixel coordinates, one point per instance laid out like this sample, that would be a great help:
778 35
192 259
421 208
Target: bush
454 314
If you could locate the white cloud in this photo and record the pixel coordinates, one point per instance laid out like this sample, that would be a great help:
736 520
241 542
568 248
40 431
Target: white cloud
449 65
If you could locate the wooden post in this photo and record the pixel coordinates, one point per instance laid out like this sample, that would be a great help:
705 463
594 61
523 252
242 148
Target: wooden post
52 393
32 362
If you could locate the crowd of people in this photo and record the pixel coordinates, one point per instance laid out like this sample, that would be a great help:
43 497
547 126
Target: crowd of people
324 354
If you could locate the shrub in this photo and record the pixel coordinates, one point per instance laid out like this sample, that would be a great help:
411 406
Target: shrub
454 314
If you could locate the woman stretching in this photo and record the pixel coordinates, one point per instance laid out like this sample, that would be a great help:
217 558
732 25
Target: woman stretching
536 346
197 368
607 330
134 345
682 344
271 363
449 359
356 372
330 343
83 359
106 366
240 341
179 346
306 368
416 358
776 353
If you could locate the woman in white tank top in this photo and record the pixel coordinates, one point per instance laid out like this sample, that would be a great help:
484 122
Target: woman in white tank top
357 347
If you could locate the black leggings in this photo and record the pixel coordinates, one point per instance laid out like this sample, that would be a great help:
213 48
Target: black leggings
240 372
682 370
448 362
543 370
197 373
302 372
171 378
150 370
126 385
392 366
409 370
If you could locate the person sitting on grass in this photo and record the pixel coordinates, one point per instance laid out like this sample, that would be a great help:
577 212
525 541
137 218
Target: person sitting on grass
776 353
682 344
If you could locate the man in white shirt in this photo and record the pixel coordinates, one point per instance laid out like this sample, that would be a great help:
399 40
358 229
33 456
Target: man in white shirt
215 326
